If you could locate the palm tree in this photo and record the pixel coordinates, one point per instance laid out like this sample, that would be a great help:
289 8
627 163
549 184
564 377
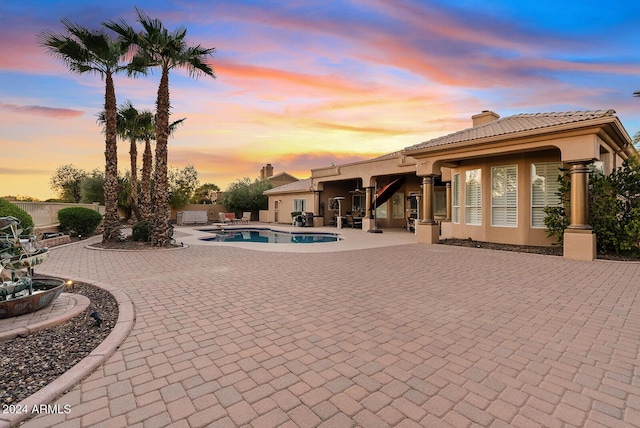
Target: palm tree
159 47
147 128
86 51
129 128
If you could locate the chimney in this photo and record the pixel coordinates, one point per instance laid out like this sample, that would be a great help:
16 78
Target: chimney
485 117
266 171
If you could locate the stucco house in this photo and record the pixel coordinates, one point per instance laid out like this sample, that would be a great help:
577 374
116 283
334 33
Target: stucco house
489 182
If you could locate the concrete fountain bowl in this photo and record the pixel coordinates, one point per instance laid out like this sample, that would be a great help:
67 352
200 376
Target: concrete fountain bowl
45 291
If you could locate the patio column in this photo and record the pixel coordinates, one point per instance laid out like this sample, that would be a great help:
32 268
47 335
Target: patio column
448 200
316 203
427 230
368 199
580 197
579 239
427 195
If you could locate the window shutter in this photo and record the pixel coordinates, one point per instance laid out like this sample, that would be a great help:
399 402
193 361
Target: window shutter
544 189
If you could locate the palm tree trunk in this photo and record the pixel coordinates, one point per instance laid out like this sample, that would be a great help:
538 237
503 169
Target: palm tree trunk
145 183
111 222
160 233
133 154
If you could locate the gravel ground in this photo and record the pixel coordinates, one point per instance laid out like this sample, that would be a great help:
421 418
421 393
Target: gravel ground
555 251
30 363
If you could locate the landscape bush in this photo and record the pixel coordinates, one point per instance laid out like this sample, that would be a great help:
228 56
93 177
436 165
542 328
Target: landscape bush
614 209
7 209
79 221
141 231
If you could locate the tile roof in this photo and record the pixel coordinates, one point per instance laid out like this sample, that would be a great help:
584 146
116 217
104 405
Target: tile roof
514 124
296 186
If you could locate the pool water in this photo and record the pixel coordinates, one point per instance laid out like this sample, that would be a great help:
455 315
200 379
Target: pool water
269 236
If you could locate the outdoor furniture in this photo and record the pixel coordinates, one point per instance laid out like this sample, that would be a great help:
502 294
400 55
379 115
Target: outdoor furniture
231 218
192 217
410 224
246 217
222 218
349 218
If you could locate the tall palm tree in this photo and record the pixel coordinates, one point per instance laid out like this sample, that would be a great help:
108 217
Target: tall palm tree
147 133
129 128
159 47
87 51
147 128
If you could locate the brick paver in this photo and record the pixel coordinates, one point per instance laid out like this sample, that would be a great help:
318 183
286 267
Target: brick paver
408 335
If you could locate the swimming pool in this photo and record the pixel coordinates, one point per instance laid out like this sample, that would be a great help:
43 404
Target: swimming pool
269 236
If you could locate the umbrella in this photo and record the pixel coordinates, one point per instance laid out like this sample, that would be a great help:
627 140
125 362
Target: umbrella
386 192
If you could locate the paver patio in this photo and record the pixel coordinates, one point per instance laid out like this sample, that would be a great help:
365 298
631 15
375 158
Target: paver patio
406 335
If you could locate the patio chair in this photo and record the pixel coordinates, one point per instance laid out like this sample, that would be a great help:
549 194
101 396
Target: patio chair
231 217
246 217
222 218
350 221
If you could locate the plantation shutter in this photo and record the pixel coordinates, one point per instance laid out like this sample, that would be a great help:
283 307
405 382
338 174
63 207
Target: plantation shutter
455 199
473 197
544 188
504 196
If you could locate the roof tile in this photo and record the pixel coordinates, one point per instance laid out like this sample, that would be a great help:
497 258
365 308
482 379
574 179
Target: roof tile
513 124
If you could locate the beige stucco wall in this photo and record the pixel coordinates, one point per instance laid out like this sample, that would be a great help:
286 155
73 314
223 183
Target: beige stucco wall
523 234
285 206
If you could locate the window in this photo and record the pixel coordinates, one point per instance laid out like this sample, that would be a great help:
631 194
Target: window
398 205
439 203
455 198
299 204
358 203
473 197
544 189
504 196
381 211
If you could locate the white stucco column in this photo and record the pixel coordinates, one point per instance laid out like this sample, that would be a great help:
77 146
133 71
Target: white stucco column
368 199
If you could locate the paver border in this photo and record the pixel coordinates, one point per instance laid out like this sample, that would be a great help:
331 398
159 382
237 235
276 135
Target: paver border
82 302
86 366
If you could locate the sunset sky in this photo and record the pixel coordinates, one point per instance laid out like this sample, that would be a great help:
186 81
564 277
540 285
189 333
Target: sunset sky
301 84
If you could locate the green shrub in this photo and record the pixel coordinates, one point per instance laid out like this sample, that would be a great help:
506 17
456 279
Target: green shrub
141 231
79 221
8 209
614 209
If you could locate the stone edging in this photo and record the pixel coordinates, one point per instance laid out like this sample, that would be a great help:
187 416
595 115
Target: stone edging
82 302
86 366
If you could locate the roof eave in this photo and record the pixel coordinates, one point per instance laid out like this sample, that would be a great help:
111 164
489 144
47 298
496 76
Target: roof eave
566 127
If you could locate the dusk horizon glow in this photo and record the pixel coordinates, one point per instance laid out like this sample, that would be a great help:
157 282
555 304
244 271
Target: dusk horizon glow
302 85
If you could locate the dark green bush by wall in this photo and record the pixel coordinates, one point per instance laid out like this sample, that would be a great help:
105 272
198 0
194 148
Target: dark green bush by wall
7 209
141 231
79 221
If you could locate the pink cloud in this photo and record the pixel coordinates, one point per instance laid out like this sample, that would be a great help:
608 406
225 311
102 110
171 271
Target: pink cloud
41 110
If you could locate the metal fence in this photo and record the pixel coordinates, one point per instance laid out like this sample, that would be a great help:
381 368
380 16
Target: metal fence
46 213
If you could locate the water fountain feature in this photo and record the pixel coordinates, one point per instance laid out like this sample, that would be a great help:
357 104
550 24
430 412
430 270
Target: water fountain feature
20 292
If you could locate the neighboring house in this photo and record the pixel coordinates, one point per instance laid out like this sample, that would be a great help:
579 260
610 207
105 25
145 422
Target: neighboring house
281 179
283 200
489 182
